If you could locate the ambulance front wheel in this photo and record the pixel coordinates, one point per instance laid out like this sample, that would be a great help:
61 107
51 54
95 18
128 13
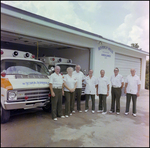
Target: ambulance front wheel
82 97
47 108
5 115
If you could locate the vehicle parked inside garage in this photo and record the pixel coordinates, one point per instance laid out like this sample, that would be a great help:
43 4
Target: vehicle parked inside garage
64 63
24 83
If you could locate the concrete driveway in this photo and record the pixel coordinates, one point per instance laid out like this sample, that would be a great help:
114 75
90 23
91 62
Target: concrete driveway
35 128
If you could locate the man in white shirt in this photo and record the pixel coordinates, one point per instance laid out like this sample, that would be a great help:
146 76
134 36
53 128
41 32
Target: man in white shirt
80 77
132 89
102 91
90 82
56 84
117 82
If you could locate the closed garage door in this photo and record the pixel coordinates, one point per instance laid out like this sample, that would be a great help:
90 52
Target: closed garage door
125 63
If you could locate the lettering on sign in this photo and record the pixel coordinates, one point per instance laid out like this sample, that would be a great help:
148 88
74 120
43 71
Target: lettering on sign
106 51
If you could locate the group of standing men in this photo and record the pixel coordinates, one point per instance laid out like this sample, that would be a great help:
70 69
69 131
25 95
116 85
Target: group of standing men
70 86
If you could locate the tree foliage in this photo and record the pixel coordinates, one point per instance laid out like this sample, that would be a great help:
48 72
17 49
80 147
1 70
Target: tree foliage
135 45
147 75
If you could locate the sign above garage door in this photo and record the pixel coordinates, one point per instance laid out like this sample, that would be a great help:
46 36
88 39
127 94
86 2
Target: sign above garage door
106 51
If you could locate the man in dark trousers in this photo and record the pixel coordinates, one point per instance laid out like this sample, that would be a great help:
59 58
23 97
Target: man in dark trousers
132 89
117 82
56 85
80 77
102 90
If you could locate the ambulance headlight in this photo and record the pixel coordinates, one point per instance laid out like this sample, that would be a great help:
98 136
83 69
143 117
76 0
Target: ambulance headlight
12 95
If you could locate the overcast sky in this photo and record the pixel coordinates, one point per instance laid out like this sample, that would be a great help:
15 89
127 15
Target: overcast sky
122 21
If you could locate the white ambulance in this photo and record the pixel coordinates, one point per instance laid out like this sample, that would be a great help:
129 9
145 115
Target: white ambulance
64 63
24 83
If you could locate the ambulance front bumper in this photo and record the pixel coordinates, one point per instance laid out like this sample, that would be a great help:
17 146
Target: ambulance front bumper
25 104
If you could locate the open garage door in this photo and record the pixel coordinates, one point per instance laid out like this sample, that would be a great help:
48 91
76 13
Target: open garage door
40 47
125 63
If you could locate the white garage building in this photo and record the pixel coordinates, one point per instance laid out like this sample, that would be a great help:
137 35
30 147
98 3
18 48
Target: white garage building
22 30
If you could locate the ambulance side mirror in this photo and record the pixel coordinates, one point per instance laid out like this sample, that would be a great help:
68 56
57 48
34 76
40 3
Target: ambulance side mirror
84 71
51 70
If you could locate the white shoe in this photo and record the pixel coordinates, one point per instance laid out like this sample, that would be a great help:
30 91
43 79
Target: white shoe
62 116
134 115
126 113
118 113
93 111
80 111
110 112
73 111
55 119
66 116
70 114
104 113
86 111
100 111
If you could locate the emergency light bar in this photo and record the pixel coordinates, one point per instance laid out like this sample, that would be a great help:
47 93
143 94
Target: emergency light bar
10 53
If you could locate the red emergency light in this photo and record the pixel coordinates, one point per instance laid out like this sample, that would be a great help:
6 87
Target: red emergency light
33 56
2 52
3 74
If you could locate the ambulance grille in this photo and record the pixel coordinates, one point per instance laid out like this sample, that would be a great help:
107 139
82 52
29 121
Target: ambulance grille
32 94
83 88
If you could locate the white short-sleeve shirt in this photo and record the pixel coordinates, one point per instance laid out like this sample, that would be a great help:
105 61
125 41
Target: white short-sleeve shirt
79 76
116 80
133 82
102 85
56 80
90 85
70 82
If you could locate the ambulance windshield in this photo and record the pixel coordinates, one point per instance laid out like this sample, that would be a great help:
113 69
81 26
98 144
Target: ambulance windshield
63 67
23 67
